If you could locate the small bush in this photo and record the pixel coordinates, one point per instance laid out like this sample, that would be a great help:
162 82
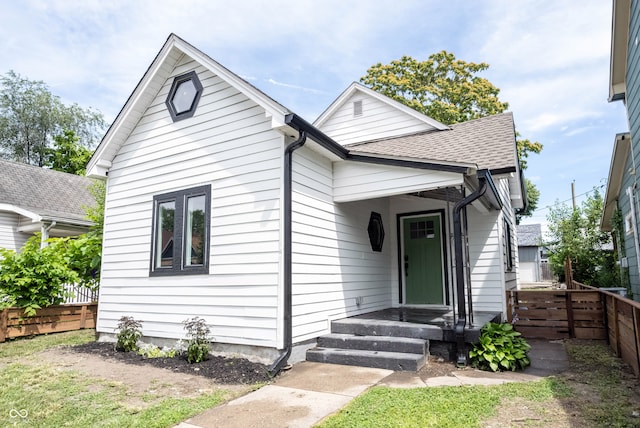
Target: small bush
198 339
500 348
128 334
148 350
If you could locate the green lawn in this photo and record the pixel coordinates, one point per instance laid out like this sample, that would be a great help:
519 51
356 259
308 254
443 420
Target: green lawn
598 391
37 394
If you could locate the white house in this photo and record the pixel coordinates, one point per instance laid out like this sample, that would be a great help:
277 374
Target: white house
34 199
222 203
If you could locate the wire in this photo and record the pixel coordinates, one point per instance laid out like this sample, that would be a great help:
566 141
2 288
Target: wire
566 200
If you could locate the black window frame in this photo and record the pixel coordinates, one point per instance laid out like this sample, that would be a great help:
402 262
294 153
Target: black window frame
508 247
178 266
177 81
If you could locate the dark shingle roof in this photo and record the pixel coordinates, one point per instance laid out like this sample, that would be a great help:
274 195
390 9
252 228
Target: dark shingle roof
51 194
489 142
529 235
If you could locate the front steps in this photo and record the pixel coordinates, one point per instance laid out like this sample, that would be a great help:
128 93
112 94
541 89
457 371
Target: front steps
376 343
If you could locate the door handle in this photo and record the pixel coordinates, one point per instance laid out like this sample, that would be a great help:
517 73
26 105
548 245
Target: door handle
406 265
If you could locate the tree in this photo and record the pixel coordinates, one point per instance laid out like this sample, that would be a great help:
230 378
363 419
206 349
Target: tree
576 234
533 195
30 117
67 155
448 90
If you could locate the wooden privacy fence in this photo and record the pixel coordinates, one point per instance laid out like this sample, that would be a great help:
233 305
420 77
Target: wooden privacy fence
557 314
54 319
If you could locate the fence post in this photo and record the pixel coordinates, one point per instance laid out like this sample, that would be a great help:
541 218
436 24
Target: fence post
83 316
616 328
636 330
4 317
569 297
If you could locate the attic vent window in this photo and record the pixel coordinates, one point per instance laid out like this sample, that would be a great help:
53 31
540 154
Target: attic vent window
184 96
357 108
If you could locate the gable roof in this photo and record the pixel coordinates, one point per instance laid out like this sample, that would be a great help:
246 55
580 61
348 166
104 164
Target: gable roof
44 194
529 235
356 87
621 146
152 81
488 142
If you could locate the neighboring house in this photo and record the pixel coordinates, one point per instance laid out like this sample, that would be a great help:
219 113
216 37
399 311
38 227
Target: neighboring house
34 199
222 203
622 209
531 253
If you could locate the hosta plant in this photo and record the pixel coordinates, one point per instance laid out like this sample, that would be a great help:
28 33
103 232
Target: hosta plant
128 334
500 348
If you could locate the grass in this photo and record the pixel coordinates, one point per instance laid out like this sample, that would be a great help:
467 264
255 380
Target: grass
437 407
62 398
597 392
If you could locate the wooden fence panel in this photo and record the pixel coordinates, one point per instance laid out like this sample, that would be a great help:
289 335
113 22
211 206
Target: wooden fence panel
54 319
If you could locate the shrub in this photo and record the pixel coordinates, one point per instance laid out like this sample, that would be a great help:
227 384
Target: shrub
152 351
198 339
128 334
35 277
500 348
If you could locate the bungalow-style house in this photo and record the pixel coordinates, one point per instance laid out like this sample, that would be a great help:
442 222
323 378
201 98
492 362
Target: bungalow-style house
222 203
621 213
34 199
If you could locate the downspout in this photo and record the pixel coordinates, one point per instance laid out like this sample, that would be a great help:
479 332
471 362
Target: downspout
281 361
45 233
457 236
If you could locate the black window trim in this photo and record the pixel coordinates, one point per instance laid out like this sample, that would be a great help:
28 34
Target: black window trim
180 197
193 76
508 246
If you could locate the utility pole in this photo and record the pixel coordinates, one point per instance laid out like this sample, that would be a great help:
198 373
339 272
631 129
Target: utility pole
573 193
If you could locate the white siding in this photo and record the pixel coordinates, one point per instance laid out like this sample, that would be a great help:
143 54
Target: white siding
10 238
333 264
378 120
489 278
230 145
357 181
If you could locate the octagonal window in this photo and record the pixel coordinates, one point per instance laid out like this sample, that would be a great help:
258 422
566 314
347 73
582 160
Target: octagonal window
184 96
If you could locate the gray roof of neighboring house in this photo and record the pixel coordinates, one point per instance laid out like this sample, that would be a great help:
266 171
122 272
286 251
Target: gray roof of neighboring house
489 142
529 235
53 195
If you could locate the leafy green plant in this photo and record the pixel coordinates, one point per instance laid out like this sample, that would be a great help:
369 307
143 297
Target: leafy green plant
35 277
128 334
198 339
500 348
148 350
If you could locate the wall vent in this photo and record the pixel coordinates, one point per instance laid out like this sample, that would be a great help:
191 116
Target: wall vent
357 108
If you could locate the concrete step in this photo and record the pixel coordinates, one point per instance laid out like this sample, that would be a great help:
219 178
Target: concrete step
368 327
374 343
398 361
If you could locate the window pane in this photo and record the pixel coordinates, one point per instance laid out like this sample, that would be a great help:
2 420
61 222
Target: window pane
195 233
165 237
184 96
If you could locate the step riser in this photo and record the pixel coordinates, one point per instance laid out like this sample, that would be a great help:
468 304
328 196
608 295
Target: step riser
392 330
338 357
380 343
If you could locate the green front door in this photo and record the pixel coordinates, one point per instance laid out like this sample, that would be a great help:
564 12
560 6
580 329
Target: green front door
422 260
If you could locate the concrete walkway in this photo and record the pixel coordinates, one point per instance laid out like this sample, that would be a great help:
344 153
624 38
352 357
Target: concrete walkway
309 392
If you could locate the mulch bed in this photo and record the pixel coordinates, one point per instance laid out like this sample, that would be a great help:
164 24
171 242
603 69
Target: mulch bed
220 369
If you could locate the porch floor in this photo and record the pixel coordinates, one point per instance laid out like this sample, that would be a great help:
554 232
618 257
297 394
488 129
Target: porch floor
441 319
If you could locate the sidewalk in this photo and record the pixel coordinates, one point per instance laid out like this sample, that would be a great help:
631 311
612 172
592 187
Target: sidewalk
309 392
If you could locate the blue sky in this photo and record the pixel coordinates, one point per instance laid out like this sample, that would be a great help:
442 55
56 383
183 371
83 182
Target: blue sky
549 58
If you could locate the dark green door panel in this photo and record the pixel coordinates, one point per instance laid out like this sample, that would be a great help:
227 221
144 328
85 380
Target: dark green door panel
422 259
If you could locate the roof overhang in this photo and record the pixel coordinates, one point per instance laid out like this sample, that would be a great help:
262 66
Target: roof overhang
147 89
617 169
619 46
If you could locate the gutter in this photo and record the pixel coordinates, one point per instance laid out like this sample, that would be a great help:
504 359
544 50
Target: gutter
281 361
484 180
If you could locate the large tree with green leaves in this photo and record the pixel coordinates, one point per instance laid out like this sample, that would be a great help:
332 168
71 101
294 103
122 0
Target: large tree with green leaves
31 117
450 91
576 234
